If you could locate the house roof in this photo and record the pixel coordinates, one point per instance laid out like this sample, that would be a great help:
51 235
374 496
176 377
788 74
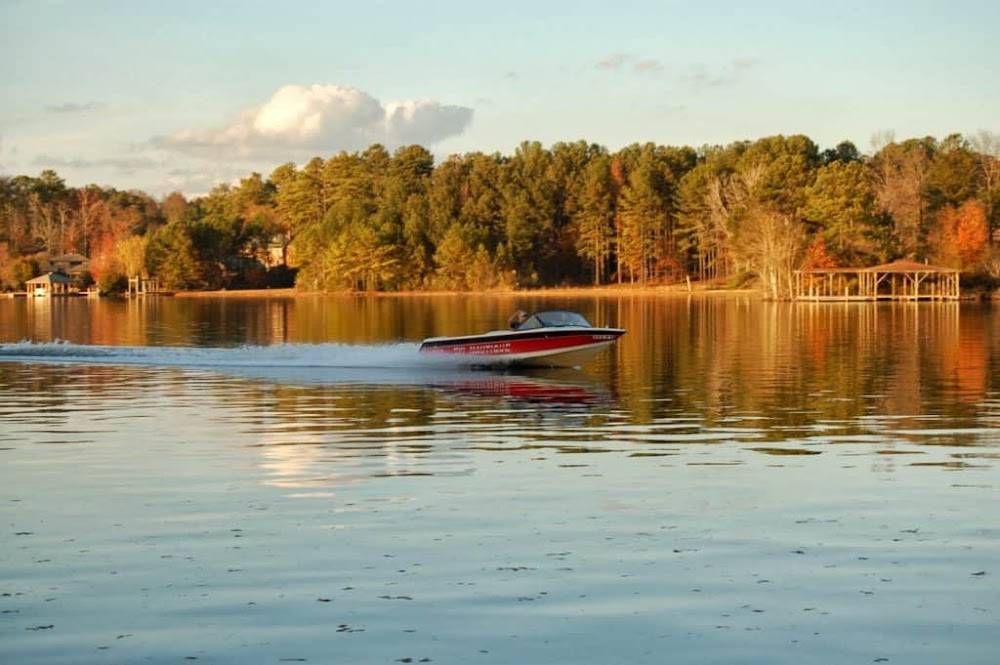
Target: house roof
72 257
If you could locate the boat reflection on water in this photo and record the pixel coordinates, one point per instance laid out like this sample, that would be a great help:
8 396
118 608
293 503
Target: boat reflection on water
568 388
356 369
557 387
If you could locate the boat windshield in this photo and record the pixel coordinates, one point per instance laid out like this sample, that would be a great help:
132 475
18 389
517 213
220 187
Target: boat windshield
554 320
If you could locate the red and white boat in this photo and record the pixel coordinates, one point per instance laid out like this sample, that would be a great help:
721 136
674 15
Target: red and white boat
544 339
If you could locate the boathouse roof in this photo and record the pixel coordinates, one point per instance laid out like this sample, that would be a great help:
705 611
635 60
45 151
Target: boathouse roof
899 267
52 278
910 266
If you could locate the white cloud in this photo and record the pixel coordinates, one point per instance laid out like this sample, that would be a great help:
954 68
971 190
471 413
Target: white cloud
648 65
195 181
74 107
307 121
613 61
699 75
119 164
623 61
423 122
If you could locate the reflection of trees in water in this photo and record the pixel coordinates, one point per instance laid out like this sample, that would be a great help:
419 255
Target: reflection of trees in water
705 360
39 385
799 364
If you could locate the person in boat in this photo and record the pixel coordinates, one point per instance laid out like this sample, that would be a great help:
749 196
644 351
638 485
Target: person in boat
519 317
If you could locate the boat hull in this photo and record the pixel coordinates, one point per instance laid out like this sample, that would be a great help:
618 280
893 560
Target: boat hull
559 347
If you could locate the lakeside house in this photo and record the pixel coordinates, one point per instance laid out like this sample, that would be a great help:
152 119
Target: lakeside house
74 265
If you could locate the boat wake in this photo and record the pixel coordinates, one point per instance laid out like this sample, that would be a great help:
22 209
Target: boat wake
400 363
401 357
388 365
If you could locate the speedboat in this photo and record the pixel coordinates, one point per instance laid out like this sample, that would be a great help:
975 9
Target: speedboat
544 339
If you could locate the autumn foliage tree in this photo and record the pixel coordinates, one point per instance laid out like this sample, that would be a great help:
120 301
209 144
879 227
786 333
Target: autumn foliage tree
570 214
961 236
817 256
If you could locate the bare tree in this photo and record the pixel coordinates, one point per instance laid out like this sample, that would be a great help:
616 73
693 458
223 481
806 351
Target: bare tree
987 146
773 244
728 199
881 139
45 223
900 176
758 237
90 210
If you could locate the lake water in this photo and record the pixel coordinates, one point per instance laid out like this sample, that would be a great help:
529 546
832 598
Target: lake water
287 480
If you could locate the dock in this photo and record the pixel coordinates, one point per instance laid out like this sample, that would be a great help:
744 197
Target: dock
897 281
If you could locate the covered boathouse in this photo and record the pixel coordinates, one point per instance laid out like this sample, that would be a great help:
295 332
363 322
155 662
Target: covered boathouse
899 280
52 284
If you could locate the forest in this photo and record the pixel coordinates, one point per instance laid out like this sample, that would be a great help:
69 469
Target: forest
574 214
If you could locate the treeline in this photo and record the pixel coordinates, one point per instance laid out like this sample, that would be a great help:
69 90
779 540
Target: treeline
573 214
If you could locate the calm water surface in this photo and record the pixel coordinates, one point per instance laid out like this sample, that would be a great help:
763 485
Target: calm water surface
278 480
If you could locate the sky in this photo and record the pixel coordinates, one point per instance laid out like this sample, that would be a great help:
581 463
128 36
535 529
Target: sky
183 95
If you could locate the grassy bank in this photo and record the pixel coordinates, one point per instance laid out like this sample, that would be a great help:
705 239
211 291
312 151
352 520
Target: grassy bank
576 291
